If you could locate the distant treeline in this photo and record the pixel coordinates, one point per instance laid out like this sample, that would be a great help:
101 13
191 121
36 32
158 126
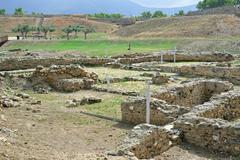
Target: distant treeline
106 16
206 4
144 15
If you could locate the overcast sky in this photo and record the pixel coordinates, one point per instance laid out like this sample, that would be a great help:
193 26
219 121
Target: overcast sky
166 3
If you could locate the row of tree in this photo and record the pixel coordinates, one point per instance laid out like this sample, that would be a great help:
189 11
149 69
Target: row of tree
25 29
78 28
158 14
106 15
205 4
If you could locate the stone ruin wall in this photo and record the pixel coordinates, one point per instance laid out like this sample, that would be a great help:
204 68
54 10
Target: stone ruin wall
231 74
64 78
29 63
146 141
7 64
180 57
134 111
168 105
214 125
193 93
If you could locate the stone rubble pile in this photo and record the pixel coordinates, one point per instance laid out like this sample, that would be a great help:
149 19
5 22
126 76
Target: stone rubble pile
14 101
64 78
146 141
83 101
160 79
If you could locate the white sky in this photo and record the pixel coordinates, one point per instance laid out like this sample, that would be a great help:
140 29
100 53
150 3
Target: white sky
166 3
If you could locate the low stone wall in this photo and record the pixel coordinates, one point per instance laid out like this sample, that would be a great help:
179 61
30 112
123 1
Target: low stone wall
193 93
214 125
64 78
231 74
167 105
115 91
8 64
134 111
146 141
180 57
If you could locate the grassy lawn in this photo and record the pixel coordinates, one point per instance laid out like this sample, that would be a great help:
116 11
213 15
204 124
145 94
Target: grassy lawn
91 47
110 107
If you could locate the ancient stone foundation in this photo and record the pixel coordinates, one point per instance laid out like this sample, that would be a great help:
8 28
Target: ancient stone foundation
134 111
64 78
180 57
146 141
231 74
214 125
9 64
207 114
193 93
169 104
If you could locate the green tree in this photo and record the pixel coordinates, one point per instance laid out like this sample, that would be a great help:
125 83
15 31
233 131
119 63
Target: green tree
46 29
158 14
77 29
180 13
146 15
205 4
68 30
86 30
23 29
116 16
19 12
107 16
2 12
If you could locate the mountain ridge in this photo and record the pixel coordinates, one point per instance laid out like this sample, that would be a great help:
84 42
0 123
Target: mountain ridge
125 7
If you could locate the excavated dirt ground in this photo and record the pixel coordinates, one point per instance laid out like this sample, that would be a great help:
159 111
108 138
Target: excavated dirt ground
52 131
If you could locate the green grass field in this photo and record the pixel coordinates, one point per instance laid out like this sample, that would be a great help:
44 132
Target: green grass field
97 47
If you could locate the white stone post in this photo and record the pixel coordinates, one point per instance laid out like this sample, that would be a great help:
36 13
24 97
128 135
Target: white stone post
108 78
161 57
148 101
174 55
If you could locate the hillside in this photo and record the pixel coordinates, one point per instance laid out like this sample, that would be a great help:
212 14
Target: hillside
8 23
205 25
126 7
